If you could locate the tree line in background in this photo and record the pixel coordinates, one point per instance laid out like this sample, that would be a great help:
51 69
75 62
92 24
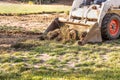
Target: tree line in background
39 1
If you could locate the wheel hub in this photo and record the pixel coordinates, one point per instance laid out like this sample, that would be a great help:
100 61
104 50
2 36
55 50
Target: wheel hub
114 27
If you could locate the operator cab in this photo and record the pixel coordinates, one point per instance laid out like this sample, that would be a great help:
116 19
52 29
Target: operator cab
86 9
90 2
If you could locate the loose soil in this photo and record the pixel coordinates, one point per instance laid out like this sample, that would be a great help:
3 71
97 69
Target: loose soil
31 27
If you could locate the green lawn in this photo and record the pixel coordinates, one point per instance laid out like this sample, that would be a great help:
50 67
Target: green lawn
50 60
7 8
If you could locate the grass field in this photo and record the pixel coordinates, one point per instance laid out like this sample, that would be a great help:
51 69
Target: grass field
8 8
50 60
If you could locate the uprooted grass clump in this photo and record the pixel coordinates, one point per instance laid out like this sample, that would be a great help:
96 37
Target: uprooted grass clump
63 35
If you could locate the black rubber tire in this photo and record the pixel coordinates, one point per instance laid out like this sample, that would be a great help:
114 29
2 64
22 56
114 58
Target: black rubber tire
105 27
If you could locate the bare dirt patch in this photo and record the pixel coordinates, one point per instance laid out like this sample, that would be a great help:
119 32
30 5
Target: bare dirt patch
29 22
31 27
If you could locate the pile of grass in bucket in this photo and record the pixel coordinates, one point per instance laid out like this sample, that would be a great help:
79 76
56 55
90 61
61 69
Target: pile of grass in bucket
68 35
64 34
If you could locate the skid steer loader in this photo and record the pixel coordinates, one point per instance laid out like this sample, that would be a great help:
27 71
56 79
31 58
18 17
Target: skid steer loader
87 22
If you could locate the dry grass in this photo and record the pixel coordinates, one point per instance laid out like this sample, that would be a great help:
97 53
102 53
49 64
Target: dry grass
8 8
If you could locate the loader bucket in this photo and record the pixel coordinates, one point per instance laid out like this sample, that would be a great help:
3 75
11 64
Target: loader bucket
73 30
93 36
54 25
